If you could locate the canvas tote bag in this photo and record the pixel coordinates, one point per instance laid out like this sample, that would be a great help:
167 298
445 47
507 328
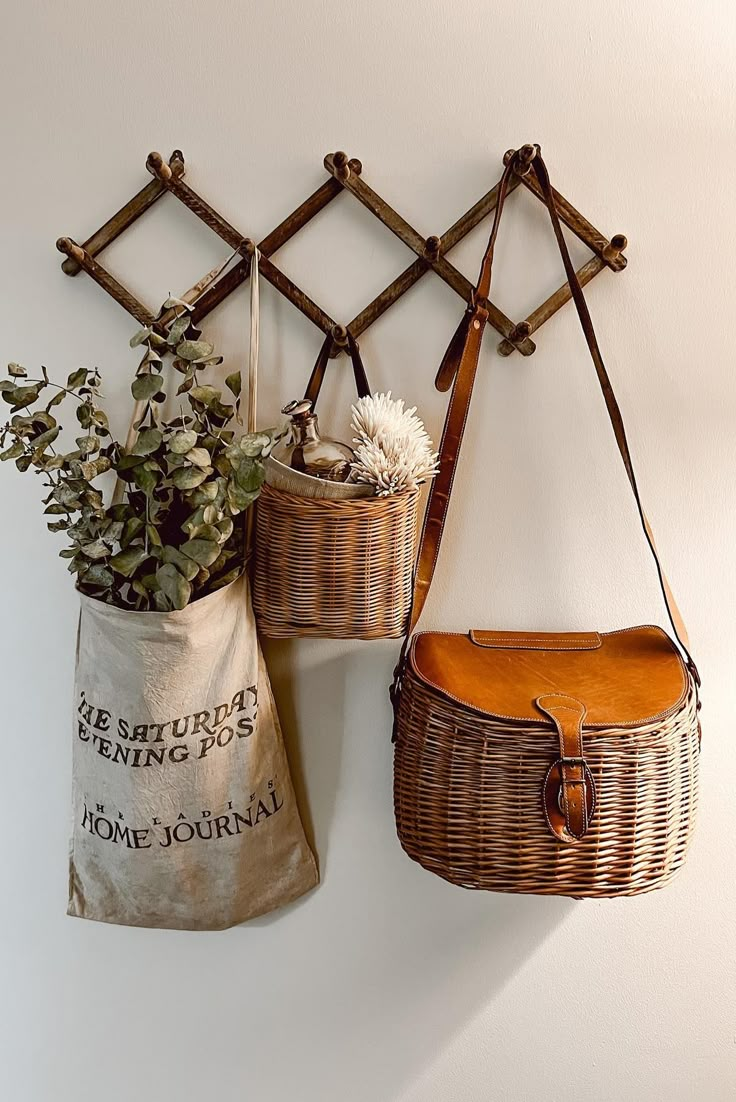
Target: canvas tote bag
184 814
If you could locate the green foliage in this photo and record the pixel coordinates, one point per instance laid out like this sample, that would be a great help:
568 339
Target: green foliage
178 530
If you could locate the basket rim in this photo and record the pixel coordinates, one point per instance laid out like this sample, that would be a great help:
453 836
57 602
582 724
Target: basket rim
375 500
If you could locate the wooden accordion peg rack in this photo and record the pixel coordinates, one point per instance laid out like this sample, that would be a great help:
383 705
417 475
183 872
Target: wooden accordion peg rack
345 176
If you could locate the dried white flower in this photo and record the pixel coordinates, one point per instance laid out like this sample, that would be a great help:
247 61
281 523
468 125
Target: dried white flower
393 452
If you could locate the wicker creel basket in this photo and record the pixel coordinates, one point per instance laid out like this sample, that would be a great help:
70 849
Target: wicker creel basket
334 569
468 799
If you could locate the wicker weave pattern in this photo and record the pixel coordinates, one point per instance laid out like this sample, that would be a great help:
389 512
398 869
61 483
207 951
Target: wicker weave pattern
467 796
335 569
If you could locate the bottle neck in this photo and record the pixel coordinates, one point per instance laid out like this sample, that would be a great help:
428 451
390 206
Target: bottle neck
305 430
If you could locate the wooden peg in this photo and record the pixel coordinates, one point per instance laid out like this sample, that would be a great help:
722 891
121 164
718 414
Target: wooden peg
339 335
71 249
520 333
157 166
342 164
523 157
432 247
615 247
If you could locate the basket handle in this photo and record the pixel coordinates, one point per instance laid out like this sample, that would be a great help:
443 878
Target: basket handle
317 377
458 370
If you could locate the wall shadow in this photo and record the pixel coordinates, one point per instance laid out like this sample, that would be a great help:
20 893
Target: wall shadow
396 960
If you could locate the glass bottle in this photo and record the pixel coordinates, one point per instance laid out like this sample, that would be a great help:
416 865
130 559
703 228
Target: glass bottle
306 451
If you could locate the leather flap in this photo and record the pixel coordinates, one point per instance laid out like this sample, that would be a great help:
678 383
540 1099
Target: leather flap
632 677
537 640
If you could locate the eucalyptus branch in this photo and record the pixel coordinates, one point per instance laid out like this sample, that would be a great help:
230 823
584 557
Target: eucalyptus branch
173 536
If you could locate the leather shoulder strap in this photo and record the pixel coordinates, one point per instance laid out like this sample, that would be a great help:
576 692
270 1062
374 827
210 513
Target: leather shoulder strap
317 377
460 363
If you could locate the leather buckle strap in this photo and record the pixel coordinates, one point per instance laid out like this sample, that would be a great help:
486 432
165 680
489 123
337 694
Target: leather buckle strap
568 793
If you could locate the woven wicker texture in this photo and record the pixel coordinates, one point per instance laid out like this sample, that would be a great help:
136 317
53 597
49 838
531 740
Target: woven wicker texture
468 800
335 569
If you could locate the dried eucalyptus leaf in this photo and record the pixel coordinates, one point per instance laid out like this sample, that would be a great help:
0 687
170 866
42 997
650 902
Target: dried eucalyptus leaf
13 451
153 536
205 493
46 438
95 550
95 467
144 387
160 601
203 552
182 442
174 585
173 462
132 527
205 394
226 527
209 514
149 440
141 336
99 575
191 522
88 444
249 475
84 414
239 499
77 378
234 383
127 562
186 566
207 532
93 498
200 457
253 443
65 495
17 371
22 396
220 411
113 531
127 462
145 479
172 302
187 478
194 350
177 330
60 526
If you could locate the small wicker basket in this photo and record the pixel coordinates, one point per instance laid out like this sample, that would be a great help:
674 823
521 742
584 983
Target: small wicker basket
335 569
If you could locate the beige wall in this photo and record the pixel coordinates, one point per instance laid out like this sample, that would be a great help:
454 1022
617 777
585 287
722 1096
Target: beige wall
387 985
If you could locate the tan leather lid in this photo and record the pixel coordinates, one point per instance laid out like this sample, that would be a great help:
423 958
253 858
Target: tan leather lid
624 678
